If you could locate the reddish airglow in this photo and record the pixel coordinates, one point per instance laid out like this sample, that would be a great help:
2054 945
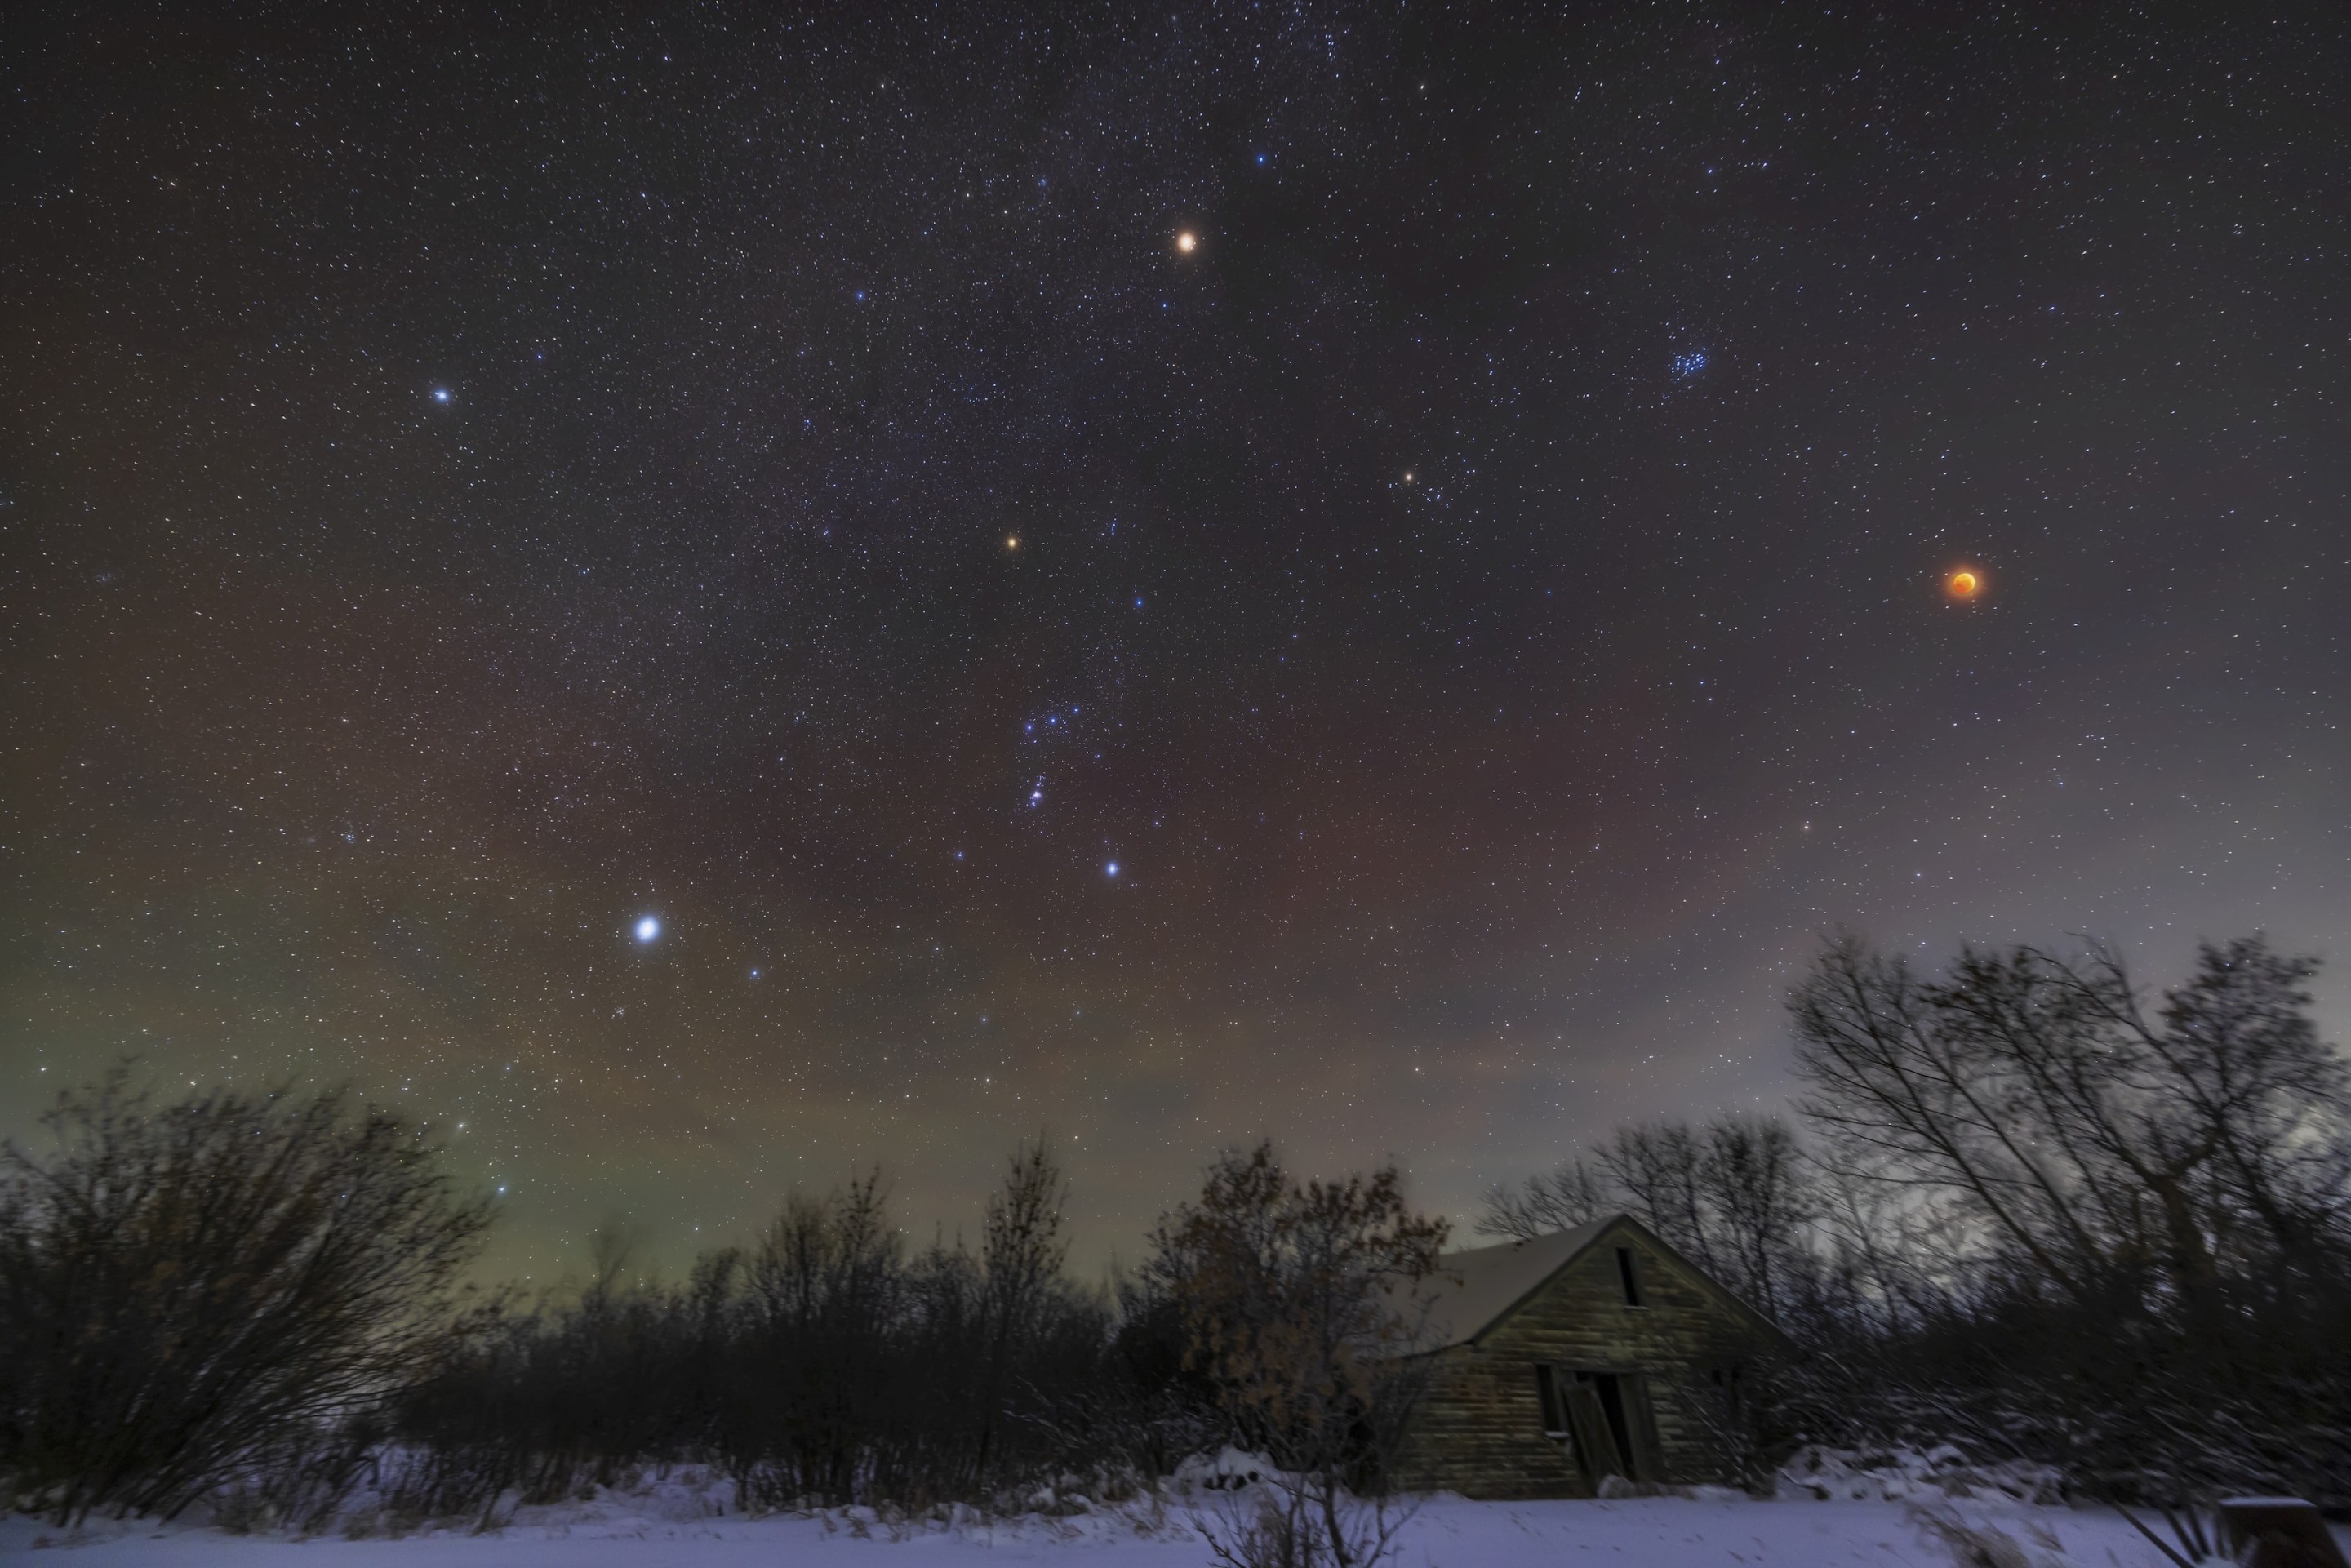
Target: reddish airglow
1965 583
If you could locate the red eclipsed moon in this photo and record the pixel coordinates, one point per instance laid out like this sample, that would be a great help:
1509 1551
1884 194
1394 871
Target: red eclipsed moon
1964 584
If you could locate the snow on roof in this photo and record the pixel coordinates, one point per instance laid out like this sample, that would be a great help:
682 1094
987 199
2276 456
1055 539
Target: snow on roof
1471 1289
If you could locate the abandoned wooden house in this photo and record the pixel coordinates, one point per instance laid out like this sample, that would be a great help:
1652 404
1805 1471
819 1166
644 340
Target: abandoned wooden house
1564 1360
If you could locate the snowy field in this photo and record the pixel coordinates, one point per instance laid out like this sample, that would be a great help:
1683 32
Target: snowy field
646 1530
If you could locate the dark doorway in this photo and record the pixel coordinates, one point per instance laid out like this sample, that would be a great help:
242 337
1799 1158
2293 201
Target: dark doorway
1611 1404
1609 1419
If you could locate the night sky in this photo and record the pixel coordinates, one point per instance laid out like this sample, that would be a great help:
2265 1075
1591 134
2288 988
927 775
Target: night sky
1412 670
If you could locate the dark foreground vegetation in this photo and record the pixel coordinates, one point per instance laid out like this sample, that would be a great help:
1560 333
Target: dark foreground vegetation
2029 1214
2025 1213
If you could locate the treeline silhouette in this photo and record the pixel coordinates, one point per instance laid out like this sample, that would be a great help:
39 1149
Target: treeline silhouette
252 1301
825 1364
2022 1210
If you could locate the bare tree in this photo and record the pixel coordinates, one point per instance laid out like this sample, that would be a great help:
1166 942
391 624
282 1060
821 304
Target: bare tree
807 1413
1758 1200
1735 1196
1562 1200
2110 1235
184 1288
1660 1168
2115 1155
1023 1247
613 1249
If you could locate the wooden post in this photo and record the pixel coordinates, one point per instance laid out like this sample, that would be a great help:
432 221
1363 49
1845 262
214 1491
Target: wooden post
2279 1532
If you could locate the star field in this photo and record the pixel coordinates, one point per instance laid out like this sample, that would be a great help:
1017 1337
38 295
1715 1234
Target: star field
708 596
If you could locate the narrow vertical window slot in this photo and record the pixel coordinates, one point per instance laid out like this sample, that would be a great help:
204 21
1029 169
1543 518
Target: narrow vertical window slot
1627 1271
1554 1410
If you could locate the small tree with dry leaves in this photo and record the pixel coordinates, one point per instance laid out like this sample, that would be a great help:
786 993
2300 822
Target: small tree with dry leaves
1294 1301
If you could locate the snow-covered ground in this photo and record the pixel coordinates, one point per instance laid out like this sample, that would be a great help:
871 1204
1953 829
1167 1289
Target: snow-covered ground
662 1527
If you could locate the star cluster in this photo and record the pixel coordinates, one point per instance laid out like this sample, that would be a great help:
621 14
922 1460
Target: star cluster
716 594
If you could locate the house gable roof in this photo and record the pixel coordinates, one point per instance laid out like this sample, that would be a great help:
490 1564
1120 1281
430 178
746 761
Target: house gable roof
1474 1291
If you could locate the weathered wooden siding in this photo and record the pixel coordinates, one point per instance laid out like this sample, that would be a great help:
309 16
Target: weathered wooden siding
1480 1429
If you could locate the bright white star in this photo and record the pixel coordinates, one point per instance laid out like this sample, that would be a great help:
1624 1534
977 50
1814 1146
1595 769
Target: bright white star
648 928
440 395
1112 869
